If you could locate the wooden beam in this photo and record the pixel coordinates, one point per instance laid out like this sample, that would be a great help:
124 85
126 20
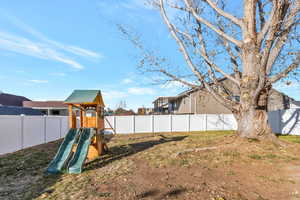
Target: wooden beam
81 118
97 118
78 106
100 144
84 122
71 120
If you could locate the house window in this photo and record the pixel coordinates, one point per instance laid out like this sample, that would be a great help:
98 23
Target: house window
44 112
55 112
174 105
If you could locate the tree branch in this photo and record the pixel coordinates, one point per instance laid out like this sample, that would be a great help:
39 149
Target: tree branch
225 102
221 12
261 14
267 25
178 79
179 41
186 35
233 57
285 72
208 61
282 37
211 26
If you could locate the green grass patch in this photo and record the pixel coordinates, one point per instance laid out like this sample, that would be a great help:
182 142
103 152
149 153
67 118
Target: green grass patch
255 156
290 138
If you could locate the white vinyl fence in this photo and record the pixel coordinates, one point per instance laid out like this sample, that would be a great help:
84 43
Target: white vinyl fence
19 132
170 123
285 121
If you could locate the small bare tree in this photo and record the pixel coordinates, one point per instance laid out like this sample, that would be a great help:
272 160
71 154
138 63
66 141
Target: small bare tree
253 51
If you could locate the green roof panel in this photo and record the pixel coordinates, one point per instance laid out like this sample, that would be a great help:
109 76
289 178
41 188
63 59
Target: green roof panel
83 96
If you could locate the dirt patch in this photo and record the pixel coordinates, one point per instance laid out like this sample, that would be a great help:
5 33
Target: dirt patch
144 167
293 174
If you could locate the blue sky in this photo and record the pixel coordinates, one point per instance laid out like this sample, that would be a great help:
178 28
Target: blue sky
49 48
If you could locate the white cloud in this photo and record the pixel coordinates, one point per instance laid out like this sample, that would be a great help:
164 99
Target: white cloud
38 81
43 48
114 94
141 91
69 48
127 81
82 52
27 47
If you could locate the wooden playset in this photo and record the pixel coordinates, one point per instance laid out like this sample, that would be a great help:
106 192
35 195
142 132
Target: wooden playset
88 102
85 141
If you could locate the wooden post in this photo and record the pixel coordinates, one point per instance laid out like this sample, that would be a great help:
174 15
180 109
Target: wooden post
81 118
84 122
97 118
99 138
71 121
102 125
100 144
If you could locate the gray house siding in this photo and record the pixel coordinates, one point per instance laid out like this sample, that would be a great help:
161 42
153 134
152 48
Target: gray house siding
202 102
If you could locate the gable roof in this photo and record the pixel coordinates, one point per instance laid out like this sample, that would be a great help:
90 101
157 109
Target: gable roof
164 98
44 104
12 100
85 97
189 91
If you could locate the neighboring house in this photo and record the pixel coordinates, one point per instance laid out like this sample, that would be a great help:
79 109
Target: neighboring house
48 107
295 104
123 112
199 101
165 105
11 100
144 111
17 110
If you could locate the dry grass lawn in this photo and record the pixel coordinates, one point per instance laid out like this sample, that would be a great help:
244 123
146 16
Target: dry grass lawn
201 165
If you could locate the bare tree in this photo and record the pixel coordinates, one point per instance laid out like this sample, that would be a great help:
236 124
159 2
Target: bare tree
254 49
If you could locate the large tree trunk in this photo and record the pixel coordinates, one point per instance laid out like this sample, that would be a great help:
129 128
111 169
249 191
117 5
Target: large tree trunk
253 123
252 116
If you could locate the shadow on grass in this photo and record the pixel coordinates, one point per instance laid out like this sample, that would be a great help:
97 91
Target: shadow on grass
119 152
22 173
151 193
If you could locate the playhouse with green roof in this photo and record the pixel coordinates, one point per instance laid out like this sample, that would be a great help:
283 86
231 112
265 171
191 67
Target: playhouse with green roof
85 141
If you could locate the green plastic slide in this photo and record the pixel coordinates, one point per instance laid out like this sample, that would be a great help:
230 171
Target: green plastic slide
77 161
64 151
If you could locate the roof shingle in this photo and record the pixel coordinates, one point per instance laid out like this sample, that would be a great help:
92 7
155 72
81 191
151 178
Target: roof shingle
83 96
12 100
44 104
